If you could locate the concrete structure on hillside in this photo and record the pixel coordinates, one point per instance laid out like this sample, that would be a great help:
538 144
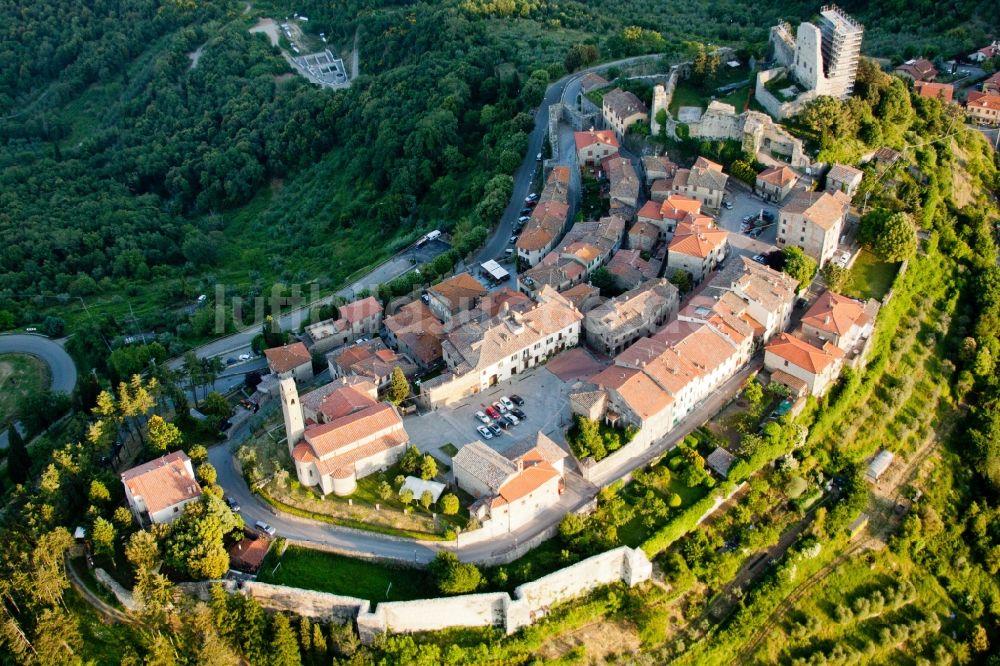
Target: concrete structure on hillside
292 360
817 368
348 434
489 350
158 491
822 59
843 178
775 183
416 332
593 146
622 320
621 110
372 360
813 221
755 131
704 181
358 319
453 295
697 247
513 488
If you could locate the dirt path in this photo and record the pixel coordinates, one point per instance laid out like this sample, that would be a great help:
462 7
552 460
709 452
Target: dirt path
270 28
108 612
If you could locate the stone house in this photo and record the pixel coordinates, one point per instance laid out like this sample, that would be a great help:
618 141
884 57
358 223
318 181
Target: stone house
594 146
453 295
643 236
983 108
417 333
813 221
843 178
624 183
657 168
629 269
157 491
846 322
697 247
622 320
372 360
292 360
943 91
358 319
798 364
666 215
621 110
919 69
775 183
704 181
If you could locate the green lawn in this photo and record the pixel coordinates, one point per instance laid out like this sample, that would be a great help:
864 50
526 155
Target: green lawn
870 277
20 375
326 572
449 450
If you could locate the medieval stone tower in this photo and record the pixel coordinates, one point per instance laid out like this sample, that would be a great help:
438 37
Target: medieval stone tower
292 410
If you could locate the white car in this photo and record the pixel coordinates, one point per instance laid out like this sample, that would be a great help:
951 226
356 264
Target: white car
500 407
485 420
513 419
265 528
505 401
484 432
244 357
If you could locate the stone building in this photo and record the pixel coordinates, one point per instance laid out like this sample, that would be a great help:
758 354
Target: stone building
593 146
801 366
292 360
775 183
416 332
158 491
704 181
843 178
813 221
455 294
358 319
372 360
697 247
621 110
622 320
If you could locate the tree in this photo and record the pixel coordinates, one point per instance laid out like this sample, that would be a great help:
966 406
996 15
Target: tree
53 327
682 280
57 638
198 454
102 534
889 235
426 499
399 388
406 496
216 405
675 500
207 474
452 576
581 55
142 551
163 436
195 545
18 460
319 640
305 634
449 504
428 467
284 646
605 281
122 518
798 265
834 276
385 491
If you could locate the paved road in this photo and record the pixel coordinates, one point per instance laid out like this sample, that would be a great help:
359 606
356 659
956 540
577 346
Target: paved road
61 366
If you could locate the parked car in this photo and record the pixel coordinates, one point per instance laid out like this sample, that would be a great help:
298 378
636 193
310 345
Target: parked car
492 413
755 233
500 407
505 401
533 196
517 400
495 430
767 215
426 298
504 422
265 528
801 303
245 357
230 361
512 418
519 414
760 259
232 503
538 157
525 211
523 219
484 432
513 239
483 418
728 205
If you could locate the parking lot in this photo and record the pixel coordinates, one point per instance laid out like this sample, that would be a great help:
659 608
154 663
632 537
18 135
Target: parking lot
545 405
745 203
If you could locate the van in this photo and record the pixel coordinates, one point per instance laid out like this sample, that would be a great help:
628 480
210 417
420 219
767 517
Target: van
434 235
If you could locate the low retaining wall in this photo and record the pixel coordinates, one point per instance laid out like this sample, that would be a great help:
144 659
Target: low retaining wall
124 596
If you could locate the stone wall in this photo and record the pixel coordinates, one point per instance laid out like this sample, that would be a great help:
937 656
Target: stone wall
467 610
123 595
555 113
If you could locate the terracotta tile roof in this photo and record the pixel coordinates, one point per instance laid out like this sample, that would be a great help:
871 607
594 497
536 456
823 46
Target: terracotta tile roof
342 433
638 391
623 103
344 401
371 359
700 344
650 210
413 315
643 229
248 554
944 91
590 137
526 482
163 482
779 176
662 363
658 164
505 298
459 291
661 186
288 357
590 80
326 328
360 310
843 173
631 269
704 174
802 354
920 69
834 313
799 386
489 467
534 449
697 237
978 100
634 308
624 183
313 401
579 294
678 206
820 208
992 84
547 222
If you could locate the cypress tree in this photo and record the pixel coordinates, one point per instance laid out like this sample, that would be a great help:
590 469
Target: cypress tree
18 460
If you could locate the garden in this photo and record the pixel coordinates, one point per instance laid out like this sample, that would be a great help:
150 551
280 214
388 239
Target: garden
378 505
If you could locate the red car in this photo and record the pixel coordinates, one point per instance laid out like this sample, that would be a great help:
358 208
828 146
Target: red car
492 413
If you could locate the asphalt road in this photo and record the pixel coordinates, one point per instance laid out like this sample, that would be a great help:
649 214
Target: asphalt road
60 364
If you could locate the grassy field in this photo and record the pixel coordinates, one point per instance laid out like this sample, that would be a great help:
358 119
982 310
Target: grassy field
326 572
869 277
20 375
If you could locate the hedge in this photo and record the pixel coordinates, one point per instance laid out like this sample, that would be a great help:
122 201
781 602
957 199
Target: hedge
684 522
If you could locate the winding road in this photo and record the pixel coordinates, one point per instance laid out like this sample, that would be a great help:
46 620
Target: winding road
61 366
